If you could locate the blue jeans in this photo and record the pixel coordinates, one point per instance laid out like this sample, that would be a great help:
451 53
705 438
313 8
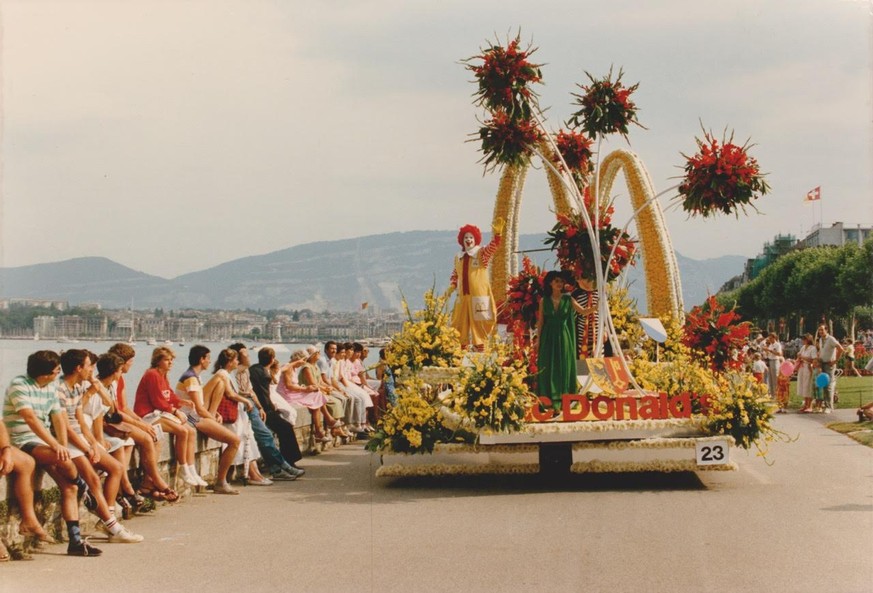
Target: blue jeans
266 442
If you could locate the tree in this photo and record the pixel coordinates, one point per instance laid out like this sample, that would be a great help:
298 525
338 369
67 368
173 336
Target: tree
813 284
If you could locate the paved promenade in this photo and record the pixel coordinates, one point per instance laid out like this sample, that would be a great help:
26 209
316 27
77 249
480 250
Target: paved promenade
804 523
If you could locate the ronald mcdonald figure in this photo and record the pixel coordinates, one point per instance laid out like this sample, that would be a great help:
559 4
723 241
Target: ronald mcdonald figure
475 313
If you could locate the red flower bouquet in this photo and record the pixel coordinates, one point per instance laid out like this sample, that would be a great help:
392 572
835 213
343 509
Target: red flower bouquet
575 149
507 140
523 294
716 334
504 78
569 239
720 178
606 106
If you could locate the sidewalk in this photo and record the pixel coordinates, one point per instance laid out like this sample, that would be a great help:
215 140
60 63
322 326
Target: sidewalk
799 521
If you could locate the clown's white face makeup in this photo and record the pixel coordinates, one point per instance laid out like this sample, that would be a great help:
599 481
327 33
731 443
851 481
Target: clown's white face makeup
469 241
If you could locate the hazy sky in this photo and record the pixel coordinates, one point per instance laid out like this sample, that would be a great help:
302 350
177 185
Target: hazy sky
173 136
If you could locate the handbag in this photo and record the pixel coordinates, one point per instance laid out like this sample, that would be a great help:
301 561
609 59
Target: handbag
228 409
118 429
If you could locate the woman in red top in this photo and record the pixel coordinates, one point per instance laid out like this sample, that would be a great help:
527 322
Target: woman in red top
157 403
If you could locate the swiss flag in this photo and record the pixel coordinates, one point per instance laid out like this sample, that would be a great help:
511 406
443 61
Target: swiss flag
813 194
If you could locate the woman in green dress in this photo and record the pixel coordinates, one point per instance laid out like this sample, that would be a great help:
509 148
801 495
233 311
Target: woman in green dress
556 336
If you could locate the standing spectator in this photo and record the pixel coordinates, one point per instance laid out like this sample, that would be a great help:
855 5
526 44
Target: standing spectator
849 348
261 379
385 374
829 350
773 355
807 356
759 368
30 411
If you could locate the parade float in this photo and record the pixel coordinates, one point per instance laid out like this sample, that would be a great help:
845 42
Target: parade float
678 405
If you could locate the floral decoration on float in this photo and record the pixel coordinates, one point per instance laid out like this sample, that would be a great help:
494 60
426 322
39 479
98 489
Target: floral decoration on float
721 177
570 240
473 413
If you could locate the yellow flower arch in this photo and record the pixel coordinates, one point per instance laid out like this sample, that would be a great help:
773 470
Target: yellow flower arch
663 287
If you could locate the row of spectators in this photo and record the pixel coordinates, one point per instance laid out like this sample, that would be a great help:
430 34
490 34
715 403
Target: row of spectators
70 415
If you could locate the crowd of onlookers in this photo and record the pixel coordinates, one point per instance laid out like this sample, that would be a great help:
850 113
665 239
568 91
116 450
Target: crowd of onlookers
73 415
814 360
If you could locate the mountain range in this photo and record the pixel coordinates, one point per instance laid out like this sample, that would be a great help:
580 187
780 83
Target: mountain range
326 275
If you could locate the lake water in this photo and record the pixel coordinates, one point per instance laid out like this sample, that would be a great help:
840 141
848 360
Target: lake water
14 353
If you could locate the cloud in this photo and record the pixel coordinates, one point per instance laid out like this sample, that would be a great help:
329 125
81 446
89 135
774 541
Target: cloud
173 136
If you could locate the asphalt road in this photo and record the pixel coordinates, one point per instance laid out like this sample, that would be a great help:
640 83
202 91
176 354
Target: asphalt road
802 523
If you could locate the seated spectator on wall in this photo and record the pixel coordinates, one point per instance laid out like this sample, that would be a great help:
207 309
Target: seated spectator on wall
156 403
337 402
30 411
96 403
356 417
190 392
18 467
145 435
308 396
261 379
85 452
221 399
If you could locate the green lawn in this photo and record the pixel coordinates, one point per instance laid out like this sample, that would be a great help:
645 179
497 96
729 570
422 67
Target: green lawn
860 431
853 392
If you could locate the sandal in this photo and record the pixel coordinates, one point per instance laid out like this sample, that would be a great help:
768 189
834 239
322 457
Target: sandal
169 494
38 538
4 553
126 507
154 494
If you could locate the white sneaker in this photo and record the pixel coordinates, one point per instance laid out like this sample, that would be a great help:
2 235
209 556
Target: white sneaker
124 536
200 480
189 477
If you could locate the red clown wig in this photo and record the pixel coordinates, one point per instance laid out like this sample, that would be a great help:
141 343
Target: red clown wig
473 230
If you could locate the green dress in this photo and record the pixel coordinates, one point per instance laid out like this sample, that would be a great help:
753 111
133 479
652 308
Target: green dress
556 358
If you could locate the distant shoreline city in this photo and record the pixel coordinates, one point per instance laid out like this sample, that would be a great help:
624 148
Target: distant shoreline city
57 320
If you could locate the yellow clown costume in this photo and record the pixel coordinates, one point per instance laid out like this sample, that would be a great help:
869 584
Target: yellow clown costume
475 313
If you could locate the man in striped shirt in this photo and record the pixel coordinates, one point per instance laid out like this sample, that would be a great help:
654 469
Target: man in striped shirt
30 408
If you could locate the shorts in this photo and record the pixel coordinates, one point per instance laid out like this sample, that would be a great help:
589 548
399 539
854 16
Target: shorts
115 443
192 417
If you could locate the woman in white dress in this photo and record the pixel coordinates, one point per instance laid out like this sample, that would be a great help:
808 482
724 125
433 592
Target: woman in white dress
806 358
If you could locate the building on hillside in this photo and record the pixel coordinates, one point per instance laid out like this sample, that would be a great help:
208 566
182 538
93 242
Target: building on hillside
71 326
837 235
781 245
46 304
